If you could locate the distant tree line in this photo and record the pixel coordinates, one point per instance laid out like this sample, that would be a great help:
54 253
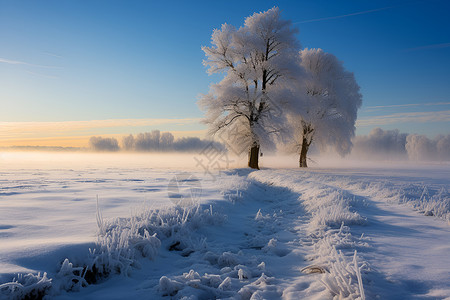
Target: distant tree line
153 141
392 145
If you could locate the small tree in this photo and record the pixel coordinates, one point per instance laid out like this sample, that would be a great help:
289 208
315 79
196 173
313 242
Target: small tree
257 59
328 101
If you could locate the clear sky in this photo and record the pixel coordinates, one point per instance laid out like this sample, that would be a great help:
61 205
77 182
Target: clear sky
72 69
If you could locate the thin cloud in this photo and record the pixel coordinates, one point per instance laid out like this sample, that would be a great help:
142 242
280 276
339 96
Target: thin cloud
416 117
52 54
379 107
12 62
42 75
429 47
18 62
346 15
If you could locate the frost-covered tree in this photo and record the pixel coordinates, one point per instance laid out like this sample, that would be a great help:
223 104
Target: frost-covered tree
258 60
98 143
380 144
128 142
166 140
328 100
147 140
420 147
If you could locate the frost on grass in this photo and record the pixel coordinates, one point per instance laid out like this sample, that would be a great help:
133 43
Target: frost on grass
331 214
27 286
231 187
230 275
431 202
192 285
121 243
324 243
328 210
344 278
70 278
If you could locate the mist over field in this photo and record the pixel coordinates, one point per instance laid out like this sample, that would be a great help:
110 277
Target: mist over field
57 160
155 150
199 161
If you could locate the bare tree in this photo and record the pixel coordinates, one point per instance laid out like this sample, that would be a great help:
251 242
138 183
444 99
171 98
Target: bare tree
258 60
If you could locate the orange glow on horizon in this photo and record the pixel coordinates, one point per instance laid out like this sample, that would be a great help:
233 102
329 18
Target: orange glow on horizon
81 141
77 133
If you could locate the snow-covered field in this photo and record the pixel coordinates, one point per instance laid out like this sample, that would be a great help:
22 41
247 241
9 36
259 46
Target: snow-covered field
379 232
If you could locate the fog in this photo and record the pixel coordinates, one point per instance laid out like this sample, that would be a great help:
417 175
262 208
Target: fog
83 160
380 145
114 162
201 162
391 145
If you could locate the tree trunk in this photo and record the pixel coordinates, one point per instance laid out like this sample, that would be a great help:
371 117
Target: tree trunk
305 147
253 156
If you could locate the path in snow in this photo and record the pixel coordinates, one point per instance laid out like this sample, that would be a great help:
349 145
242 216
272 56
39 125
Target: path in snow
409 252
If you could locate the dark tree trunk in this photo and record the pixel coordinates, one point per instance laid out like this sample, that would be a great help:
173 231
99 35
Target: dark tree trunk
253 156
303 153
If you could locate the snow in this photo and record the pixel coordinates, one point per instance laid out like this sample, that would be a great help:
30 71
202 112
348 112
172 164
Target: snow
322 233
407 252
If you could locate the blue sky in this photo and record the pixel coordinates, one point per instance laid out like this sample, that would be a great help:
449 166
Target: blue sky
100 60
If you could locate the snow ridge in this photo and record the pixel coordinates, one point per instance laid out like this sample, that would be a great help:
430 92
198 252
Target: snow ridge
329 234
428 199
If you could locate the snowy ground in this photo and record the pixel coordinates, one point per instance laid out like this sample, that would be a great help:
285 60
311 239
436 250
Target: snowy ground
372 232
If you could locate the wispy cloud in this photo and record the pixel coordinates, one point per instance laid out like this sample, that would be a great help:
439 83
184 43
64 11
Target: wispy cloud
429 47
345 16
42 75
52 54
12 62
380 107
18 62
416 117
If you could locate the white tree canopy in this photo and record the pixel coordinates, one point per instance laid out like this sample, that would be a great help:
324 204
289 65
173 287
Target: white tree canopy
258 59
271 90
327 104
